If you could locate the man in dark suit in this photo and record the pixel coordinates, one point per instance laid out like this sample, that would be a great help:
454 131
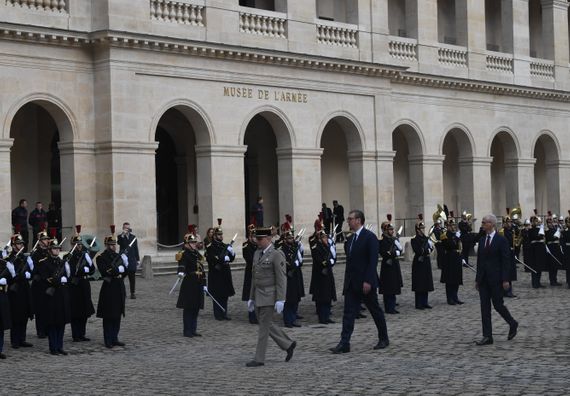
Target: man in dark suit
493 266
132 253
360 282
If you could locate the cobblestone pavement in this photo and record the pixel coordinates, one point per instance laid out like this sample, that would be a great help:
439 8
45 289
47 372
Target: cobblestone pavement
431 352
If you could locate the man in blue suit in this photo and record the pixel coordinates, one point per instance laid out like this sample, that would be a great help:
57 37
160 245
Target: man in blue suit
360 282
493 263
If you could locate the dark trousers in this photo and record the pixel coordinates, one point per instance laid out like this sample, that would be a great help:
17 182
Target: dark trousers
18 333
218 313
132 277
290 312
78 328
535 279
40 327
55 337
568 274
1 340
421 299
252 317
190 321
466 249
553 276
451 292
26 237
352 302
492 293
324 311
390 302
111 328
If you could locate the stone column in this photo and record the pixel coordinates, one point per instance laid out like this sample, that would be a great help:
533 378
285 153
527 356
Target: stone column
553 185
300 193
432 178
363 188
221 189
6 190
519 183
78 192
385 187
426 18
521 40
475 185
555 37
380 31
476 38
563 177
126 189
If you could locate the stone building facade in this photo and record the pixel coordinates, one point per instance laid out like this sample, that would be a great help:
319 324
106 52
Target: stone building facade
165 113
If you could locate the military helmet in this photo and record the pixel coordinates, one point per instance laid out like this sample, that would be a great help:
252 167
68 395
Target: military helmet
218 230
16 238
77 237
42 235
191 235
54 244
111 239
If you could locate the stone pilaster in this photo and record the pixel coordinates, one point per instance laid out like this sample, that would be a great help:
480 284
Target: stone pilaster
563 177
426 19
555 37
475 185
519 184
385 185
476 39
554 184
6 190
521 41
429 169
363 187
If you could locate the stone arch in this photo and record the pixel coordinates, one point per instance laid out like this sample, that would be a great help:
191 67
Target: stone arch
413 135
507 136
546 151
549 139
462 136
280 123
354 134
504 150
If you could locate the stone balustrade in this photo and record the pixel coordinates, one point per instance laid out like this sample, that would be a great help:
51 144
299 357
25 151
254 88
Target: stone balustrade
181 12
263 23
338 34
500 63
451 55
542 68
403 48
40 5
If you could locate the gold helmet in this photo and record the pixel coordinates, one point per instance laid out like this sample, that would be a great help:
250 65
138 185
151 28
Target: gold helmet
191 235
17 237
42 235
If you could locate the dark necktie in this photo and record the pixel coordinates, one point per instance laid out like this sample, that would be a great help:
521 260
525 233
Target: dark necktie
352 243
488 242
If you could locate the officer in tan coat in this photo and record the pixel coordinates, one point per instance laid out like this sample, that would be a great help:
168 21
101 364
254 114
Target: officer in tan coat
268 287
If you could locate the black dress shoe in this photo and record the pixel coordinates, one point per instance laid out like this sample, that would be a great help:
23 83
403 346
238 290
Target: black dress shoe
451 302
84 338
295 324
119 343
77 339
219 318
420 307
14 346
459 302
329 321
227 318
133 297
340 348
109 346
382 344
62 352
555 284
253 363
42 336
484 341
197 335
289 326
2 356
300 317
323 322
53 353
290 351
513 331
393 312
427 306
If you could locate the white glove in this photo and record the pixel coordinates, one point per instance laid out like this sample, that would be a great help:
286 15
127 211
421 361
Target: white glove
227 259
541 230
10 267
464 262
3 282
251 306
332 261
205 288
121 269
398 245
63 280
28 275
430 244
86 270
30 263
398 253
67 269
296 263
88 259
181 274
279 305
4 253
125 259
458 234
231 249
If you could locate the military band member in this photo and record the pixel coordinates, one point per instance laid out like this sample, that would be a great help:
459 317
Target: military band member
19 293
422 278
81 267
54 274
438 231
38 288
452 266
553 245
391 282
268 289
538 256
565 242
112 296
7 273
507 232
466 230
219 256
248 249
193 287
323 286
293 252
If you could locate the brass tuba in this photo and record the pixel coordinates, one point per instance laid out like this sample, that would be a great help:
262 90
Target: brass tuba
516 213
439 214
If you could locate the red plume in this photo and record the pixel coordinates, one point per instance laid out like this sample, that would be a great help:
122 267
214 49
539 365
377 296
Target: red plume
191 228
78 229
219 221
508 210
42 226
52 232
112 227
421 216
18 227
535 211
389 216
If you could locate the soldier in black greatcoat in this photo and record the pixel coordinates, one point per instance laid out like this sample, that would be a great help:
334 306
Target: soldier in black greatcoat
111 305
128 244
7 273
538 257
422 278
565 242
19 294
81 267
191 296
391 281
54 274
219 256
248 249
553 245
293 252
508 233
452 266
438 231
323 286
466 229
38 288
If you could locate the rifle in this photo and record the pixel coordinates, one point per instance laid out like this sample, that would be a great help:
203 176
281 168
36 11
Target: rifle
224 252
14 286
116 263
58 273
79 264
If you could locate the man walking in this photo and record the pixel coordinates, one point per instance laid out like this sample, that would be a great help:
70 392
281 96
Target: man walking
360 282
493 266
268 287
